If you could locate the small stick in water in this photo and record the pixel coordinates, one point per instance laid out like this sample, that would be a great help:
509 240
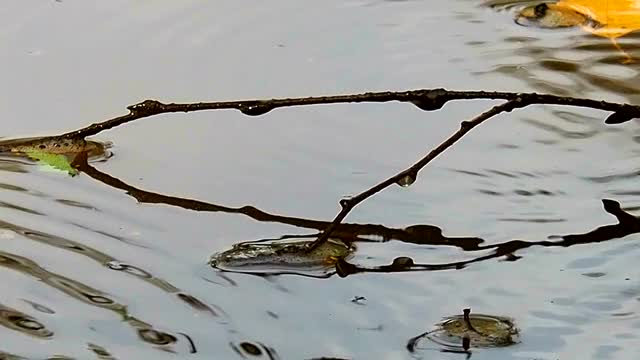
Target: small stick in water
467 320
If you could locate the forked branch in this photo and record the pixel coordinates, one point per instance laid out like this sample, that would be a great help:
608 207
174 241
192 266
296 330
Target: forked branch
425 99
409 175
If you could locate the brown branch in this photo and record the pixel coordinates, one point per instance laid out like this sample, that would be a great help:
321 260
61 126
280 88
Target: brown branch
408 176
425 99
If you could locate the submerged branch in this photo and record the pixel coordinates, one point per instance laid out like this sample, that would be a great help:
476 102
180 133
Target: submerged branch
627 224
421 234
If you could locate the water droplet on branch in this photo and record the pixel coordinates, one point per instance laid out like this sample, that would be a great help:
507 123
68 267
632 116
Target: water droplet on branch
429 104
402 262
406 180
255 109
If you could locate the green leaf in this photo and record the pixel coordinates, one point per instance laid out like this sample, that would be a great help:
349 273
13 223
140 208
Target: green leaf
56 161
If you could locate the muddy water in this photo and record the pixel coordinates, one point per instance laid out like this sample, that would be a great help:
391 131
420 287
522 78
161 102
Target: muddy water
89 271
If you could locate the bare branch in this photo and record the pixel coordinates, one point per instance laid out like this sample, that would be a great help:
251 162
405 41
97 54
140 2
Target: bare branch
408 176
425 99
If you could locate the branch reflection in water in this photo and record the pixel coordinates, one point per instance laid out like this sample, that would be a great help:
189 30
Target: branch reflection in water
416 234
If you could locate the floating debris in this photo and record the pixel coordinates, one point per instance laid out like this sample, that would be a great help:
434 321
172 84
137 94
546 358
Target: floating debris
53 145
55 161
471 330
55 152
277 256
610 19
550 16
254 350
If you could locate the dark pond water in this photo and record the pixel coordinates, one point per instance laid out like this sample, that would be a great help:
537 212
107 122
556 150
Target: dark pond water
87 271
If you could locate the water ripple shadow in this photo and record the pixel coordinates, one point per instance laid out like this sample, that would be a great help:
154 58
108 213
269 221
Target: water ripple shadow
250 350
615 177
110 262
24 323
91 296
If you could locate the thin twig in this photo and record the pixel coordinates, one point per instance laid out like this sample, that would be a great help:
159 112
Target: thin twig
425 99
409 175
467 320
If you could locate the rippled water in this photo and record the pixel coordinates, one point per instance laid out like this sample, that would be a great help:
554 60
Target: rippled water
529 217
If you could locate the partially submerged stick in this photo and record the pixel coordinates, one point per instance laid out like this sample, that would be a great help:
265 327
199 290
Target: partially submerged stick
425 99
415 234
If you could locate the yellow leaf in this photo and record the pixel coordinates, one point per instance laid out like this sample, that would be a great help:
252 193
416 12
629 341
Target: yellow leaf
615 17
607 18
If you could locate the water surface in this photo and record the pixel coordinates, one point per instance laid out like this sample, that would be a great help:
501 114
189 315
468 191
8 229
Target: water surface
90 270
